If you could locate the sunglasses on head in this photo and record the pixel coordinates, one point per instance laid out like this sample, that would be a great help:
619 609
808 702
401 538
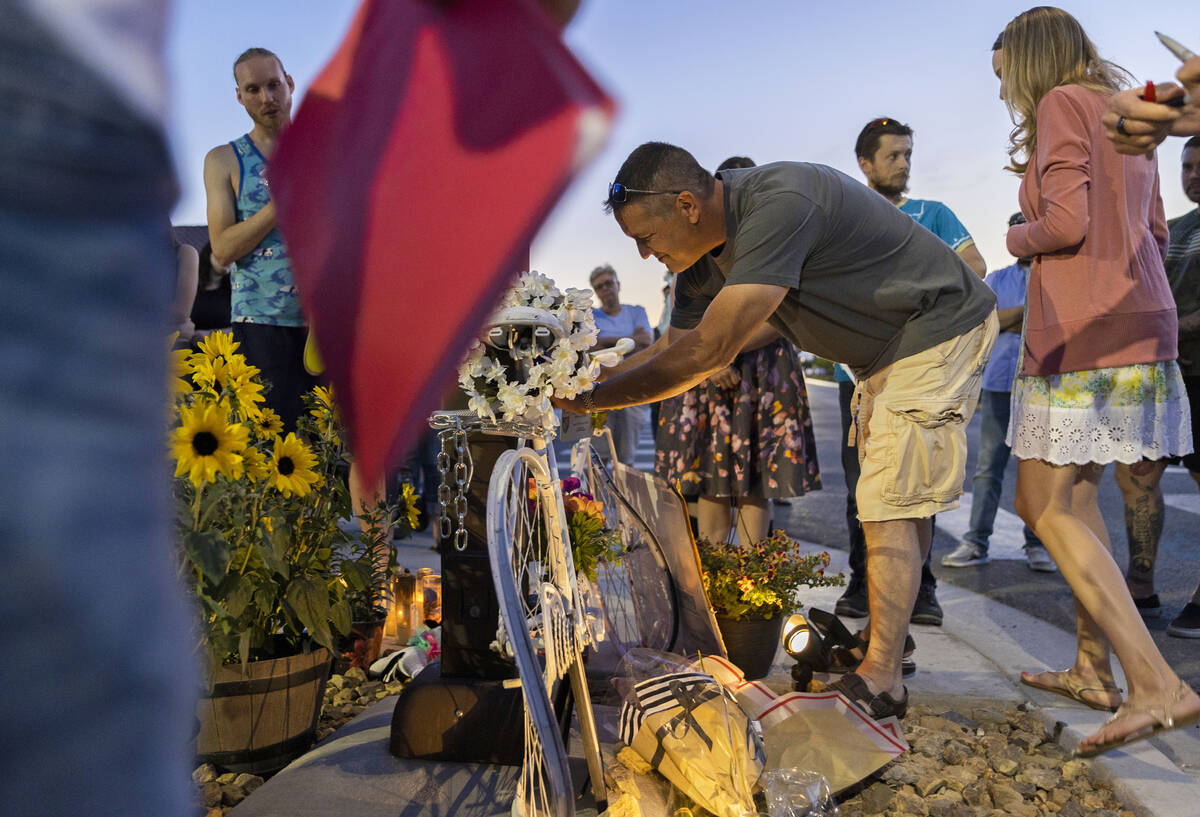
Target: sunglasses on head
879 123
619 193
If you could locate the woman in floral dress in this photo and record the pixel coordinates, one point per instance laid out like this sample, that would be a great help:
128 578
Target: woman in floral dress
1098 381
741 438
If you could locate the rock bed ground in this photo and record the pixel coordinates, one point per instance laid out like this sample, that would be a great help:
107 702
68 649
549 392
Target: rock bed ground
971 760
345 697
985 760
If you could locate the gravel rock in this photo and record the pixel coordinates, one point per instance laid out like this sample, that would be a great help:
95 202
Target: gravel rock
204 773
1073 769
1006 760
211 792
955 752
248 782
876 798
231 795
977 794
356 674
1045 779
335 682
1024 740
907 802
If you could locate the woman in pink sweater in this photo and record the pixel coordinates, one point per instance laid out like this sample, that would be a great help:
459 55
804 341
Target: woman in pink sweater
1098 381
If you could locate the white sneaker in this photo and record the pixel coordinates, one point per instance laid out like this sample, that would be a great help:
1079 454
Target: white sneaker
965 555
1039 560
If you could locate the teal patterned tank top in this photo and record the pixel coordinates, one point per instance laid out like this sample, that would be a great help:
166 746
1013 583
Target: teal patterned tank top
262 287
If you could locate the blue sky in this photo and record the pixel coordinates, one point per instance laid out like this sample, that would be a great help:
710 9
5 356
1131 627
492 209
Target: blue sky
771 79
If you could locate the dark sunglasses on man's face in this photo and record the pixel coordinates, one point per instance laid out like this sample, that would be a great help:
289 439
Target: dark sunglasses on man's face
619 193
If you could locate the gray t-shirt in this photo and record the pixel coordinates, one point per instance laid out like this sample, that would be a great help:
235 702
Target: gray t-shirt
868 285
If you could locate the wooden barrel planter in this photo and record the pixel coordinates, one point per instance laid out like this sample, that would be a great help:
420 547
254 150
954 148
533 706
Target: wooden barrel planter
261 721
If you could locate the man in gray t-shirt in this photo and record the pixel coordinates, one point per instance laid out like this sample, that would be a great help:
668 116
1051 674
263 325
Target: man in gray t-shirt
840 272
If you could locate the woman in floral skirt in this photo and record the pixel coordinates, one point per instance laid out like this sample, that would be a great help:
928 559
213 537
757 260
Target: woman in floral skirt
741 438
1098 381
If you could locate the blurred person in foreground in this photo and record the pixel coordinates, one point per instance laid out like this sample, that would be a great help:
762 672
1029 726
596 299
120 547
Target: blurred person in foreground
1098 381
90 609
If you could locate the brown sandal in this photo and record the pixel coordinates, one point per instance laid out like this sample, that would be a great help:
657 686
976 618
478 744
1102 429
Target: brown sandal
1161 720
1068 687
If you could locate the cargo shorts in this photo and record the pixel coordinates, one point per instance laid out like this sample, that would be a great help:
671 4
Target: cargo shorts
911 427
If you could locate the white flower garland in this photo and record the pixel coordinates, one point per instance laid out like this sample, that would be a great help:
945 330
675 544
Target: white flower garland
563 368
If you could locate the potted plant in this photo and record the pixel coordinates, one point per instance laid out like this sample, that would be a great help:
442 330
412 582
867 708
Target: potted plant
273 574
752 589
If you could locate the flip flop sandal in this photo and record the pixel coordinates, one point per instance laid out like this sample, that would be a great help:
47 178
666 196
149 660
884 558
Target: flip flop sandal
1068 687
847 659
878 706
1160 721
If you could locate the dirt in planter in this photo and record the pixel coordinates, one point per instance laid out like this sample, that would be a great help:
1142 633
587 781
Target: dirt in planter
345 697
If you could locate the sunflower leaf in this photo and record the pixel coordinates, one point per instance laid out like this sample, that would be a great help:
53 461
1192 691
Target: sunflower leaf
357 576
239 595
339 616
268 551
209 552
309 601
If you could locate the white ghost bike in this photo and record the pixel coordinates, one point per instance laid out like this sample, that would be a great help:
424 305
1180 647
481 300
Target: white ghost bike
547 615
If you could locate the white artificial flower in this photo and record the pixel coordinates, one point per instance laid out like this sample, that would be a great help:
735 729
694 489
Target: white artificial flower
512 400
479 404
493 370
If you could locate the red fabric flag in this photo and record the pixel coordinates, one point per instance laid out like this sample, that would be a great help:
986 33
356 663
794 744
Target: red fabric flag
408 188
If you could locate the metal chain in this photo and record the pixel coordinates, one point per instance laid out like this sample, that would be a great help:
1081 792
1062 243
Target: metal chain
464 469
454 502
443 465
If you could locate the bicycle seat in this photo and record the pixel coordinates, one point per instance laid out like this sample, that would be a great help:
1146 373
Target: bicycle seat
517 328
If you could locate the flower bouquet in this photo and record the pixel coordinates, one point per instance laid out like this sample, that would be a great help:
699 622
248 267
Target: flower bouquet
536 347
591 542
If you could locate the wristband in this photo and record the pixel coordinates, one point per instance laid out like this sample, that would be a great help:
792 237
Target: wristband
588 404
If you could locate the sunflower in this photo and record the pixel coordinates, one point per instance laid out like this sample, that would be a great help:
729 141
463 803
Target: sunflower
291 467
206 444
248 393
256 464
218 344
324 412
411 510
268 423
180 370
206 373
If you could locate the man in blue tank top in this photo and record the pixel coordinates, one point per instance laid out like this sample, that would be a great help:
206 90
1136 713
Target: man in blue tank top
265 309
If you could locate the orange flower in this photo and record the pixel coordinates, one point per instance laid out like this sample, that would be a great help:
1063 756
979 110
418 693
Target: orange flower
573 504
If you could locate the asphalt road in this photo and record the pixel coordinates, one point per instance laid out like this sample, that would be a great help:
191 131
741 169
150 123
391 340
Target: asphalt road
819 517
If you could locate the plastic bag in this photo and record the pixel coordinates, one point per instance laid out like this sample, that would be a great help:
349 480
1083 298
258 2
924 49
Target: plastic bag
798 793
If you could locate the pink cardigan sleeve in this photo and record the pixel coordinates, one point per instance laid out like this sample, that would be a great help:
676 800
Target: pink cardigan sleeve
1061 163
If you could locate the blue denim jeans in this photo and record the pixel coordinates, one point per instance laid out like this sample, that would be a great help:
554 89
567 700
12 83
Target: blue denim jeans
989 469
98 672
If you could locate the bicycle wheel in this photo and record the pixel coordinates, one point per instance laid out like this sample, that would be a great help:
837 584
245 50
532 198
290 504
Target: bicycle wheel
639 599
532 586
